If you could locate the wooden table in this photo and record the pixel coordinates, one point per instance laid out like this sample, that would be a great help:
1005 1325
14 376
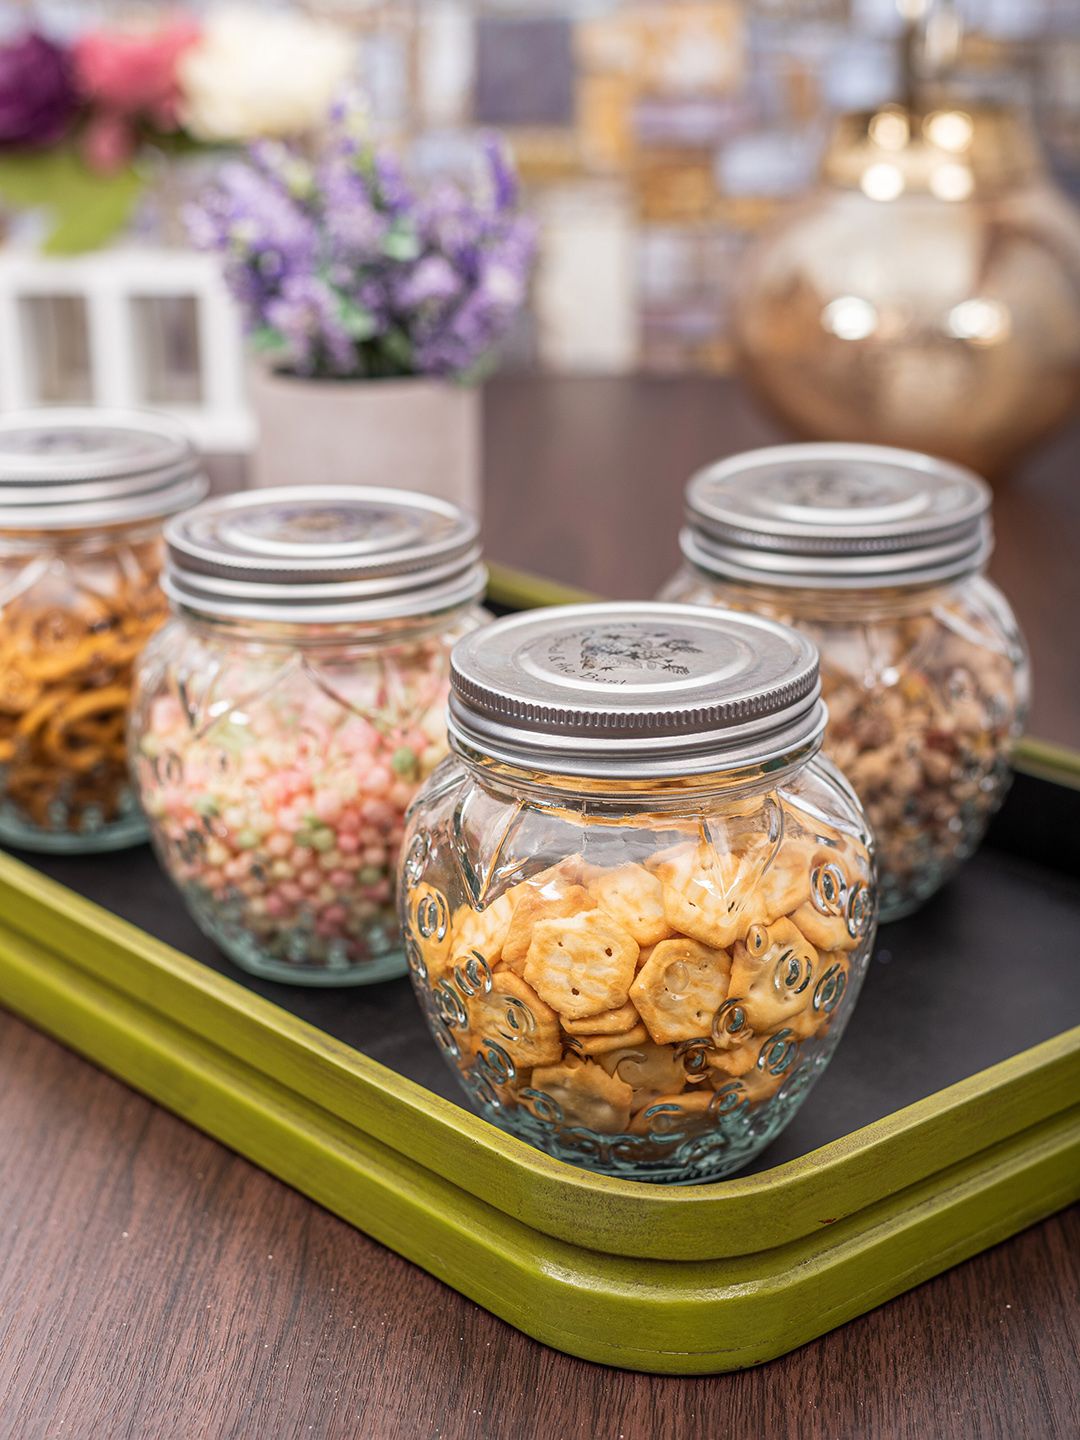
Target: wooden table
153 1285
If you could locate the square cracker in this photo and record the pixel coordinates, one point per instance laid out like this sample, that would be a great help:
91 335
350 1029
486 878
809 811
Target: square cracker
582 965
650 1070
608 1022
680 988
635 899
555 899
773 973
706 892
513 1016
481 930
586 1094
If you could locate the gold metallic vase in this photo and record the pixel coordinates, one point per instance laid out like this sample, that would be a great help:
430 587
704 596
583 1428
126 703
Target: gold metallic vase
925 295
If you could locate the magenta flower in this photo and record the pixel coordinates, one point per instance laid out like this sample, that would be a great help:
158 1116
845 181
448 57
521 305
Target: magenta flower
37 93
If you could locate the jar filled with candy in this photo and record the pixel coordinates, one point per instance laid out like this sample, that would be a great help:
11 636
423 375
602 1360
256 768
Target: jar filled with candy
287 715
638 910
879 556
83 497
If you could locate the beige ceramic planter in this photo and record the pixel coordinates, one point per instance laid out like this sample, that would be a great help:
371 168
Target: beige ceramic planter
413 434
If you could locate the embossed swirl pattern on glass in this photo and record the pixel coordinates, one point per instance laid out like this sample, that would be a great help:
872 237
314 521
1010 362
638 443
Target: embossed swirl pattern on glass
75 611
647 988
276 773
927 694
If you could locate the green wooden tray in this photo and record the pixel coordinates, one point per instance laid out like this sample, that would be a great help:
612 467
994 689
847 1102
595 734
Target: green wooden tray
684 1280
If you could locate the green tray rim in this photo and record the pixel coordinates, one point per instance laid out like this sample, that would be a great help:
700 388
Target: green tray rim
691 1280
635 1219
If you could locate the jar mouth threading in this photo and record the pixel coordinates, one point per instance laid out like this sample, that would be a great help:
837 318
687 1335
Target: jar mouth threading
331 635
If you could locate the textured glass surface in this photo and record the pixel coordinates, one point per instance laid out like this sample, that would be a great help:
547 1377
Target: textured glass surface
74 614
649 986
276 768
927 694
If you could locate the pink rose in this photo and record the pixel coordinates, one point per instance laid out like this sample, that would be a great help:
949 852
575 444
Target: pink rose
133 74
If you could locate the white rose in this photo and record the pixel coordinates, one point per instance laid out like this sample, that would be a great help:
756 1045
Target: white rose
255 74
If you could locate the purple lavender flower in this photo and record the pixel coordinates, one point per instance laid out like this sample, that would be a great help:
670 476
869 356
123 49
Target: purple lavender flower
341 268
37 92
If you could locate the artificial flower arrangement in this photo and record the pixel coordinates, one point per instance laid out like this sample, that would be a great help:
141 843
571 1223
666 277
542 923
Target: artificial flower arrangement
342 268
77 120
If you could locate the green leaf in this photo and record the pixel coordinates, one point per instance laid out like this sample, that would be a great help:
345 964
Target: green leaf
88 210
358 322
266 339
397 347
401 242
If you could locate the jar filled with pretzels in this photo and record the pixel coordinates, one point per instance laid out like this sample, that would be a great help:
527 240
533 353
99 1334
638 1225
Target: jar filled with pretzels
638 907
83 497
878 555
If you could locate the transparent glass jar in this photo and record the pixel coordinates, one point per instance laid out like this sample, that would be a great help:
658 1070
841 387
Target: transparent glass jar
286 716
83 497
638 910
878 555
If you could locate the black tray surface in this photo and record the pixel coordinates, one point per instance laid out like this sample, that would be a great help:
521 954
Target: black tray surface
985 970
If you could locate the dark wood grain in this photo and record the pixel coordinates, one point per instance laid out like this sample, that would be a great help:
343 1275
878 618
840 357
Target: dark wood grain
154 1285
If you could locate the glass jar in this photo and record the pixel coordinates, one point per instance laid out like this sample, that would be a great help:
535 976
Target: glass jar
286 716
638 910
878 555
83 496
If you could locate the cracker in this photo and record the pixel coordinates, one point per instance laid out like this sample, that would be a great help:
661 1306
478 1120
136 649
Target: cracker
648 1069
602 1044
554 899
586 1094
582 965
773 974
706 892
482 930
680 989
736 1062
784 882
670 1114
635 899
608 1022
827 932
430 930
512 1015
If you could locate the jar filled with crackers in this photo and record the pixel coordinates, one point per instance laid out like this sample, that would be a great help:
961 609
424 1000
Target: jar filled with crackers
285 718
879 556
638 908
83 497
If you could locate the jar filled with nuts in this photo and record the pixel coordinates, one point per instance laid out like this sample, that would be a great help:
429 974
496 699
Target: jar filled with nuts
637 908
878 555
285 718
83 497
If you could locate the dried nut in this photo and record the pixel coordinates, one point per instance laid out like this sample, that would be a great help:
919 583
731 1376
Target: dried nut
585 1094
512 1015
680 989
772 974
581 965
634 898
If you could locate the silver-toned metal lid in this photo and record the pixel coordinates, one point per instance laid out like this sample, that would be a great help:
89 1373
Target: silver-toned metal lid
837 516
68 469
635 691
323 554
